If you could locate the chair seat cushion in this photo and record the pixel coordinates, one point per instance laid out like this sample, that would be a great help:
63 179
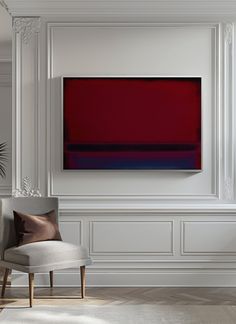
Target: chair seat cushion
44 253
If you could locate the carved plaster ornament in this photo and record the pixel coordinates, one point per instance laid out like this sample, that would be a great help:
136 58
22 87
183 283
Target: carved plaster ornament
26 26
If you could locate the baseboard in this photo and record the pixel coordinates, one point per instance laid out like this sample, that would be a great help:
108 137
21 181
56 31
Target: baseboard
144 278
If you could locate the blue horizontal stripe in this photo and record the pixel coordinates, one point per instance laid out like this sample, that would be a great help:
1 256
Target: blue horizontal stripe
129 164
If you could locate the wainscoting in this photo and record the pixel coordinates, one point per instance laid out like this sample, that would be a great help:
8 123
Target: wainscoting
133 248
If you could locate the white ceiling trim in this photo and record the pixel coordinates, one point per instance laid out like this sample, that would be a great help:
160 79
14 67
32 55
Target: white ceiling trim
120 8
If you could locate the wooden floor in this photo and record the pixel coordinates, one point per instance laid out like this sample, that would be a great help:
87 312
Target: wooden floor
18 297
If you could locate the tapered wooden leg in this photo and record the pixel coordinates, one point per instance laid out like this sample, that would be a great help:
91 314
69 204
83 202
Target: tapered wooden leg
31 288
6 273
51 278
82 278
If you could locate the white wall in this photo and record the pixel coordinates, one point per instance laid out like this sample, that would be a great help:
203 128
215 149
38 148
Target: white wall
134 51
141 228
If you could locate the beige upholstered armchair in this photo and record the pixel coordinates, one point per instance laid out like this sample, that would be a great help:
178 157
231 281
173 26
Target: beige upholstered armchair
43 256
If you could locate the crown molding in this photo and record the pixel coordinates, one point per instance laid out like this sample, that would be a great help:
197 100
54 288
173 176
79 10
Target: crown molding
136 9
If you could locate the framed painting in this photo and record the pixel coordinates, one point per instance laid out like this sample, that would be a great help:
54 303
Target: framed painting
132 123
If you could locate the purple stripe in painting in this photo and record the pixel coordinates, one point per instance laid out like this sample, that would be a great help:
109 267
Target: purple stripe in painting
129 147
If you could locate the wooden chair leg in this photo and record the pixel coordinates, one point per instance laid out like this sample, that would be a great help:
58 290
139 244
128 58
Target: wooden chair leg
82 278
6 273
51 278
31 288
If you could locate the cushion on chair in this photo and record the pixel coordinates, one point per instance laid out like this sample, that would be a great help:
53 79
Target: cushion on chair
44 253
35 228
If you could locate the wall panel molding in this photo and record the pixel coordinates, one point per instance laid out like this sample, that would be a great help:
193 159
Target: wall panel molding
216 167
26 66
228 115
130 237
217 237
147 268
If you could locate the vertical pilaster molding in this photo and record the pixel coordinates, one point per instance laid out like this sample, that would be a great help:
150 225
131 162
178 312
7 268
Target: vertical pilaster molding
26 67
228 112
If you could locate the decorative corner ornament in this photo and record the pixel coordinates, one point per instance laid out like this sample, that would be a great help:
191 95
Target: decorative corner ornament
27 26
26 190
228 33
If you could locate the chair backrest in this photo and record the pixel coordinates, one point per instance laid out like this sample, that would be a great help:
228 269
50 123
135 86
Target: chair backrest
27 205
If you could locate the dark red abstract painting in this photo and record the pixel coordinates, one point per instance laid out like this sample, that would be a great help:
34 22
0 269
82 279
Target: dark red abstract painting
132 123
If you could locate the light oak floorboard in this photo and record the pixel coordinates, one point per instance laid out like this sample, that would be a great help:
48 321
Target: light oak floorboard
18 297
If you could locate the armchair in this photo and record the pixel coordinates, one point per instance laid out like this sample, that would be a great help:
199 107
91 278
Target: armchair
37 257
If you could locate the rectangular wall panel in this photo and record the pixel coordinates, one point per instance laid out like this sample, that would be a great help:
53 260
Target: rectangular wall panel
209 237
141 51
131 237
